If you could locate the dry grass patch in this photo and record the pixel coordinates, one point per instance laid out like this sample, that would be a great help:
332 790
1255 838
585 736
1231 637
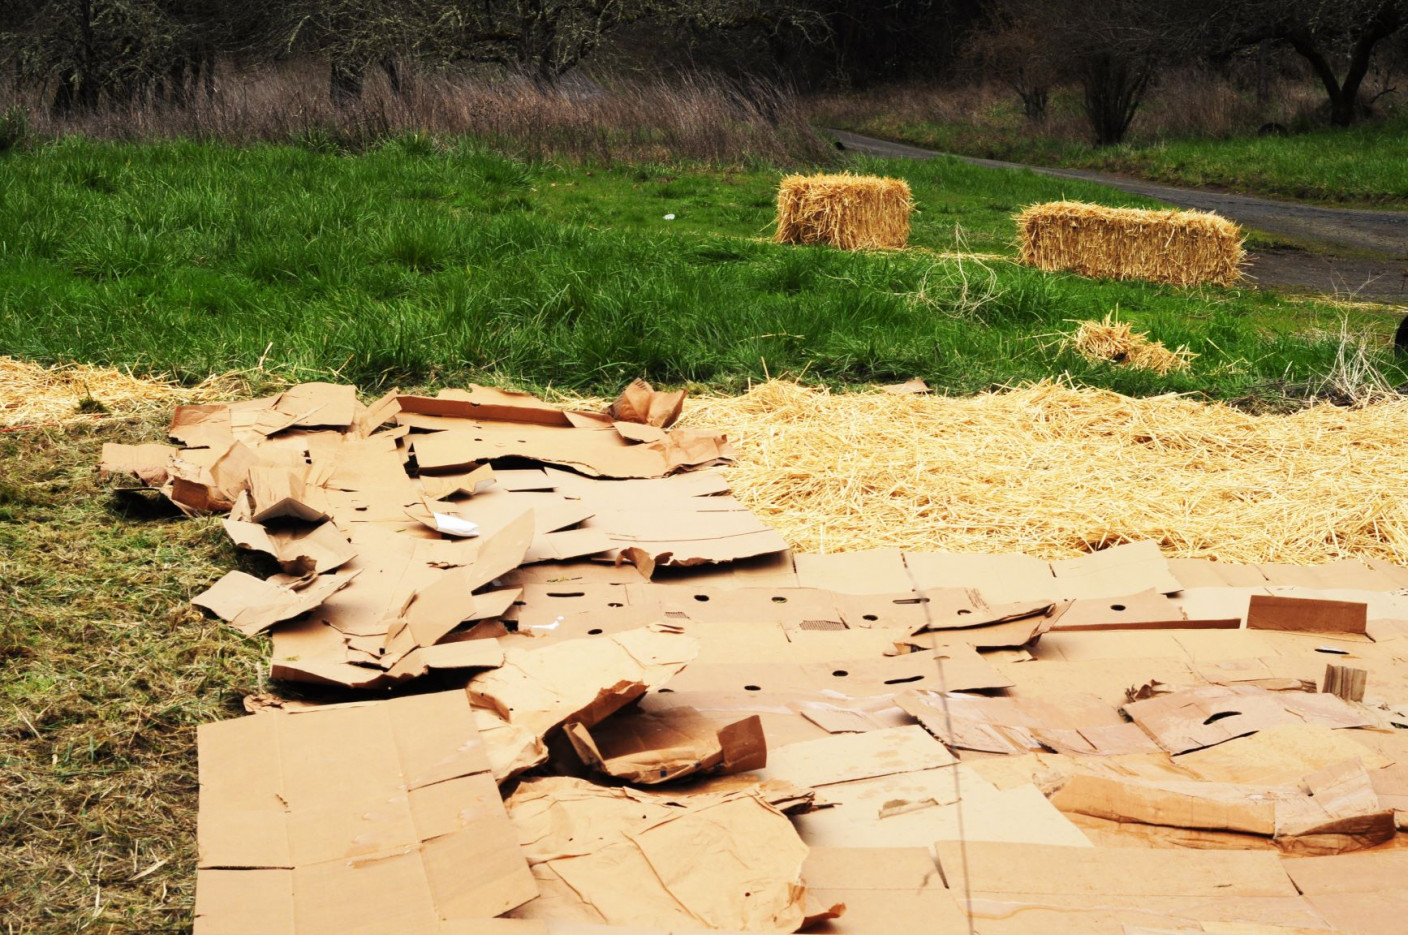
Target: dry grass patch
1055 471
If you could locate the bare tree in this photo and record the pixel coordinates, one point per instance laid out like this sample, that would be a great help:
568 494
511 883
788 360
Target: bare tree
1338 38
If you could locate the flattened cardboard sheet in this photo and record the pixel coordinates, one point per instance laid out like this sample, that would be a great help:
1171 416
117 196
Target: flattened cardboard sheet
1201 717
847 757
624 857
1074 724
151 464
306 814
1360 893
250 604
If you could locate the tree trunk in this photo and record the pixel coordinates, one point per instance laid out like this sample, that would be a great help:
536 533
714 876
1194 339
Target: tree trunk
1114 88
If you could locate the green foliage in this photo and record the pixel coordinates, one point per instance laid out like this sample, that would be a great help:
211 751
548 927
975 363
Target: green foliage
408 264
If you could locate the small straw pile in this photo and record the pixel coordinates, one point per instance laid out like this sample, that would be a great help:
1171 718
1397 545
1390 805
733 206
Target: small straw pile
1183 248
1056 471
852 212
34 395
1118 343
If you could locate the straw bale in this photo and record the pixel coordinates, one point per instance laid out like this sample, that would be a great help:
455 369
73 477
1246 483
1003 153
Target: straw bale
1118 343
1055 471
1184 248
853 212
32 394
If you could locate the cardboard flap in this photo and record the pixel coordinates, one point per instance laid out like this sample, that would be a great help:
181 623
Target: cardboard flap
655 747
298 551
1304 615
641 403
250 604
151 464
1201 717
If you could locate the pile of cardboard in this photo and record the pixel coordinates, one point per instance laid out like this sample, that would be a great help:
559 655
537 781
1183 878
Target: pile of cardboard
631 705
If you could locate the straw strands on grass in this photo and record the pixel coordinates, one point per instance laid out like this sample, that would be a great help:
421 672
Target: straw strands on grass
1118 343
853 212
32 394
1056 471
1183 248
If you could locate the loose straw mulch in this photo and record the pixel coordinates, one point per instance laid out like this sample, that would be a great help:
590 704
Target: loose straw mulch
33 395
1183 248
1116 342
852 212
1055 471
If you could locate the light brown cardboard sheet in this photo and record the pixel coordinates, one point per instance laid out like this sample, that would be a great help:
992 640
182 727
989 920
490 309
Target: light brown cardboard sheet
1201 717
915 809
884 890
597 452
150 463
299 550
641 403
1361 893
648 748
1336 805
582 681
963 669
250 604
625 857
1076 891
374 817
1073 723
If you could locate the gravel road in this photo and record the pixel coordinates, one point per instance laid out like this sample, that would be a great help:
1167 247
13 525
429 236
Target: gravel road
1358 253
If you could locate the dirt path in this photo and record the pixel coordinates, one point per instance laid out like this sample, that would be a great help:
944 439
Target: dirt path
1356 252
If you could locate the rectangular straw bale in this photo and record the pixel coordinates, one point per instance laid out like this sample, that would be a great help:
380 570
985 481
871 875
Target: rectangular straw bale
1183 248
852 212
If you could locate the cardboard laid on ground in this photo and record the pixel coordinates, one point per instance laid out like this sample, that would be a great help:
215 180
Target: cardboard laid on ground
653 675
367 817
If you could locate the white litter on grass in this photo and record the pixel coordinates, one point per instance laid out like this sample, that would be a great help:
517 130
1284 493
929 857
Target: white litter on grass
669 217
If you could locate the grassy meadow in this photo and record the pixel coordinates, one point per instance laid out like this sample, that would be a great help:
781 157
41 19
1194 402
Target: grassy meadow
413 263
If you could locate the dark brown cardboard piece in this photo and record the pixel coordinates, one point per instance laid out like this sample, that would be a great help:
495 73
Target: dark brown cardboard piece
1303 615
649 748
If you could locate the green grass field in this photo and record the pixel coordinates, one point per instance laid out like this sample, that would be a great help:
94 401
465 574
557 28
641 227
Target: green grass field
412 264
1365 165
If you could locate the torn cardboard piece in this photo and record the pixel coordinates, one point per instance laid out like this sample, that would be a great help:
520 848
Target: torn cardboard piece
641 403
1201 717
582 681
1336 803
847 757
151 464
649 748
623 857
1073 724
298 550
251 604
305 814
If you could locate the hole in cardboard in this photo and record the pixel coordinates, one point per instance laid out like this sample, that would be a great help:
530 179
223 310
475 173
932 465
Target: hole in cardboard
1332 651
779 600
614 604
1212 718
911 600
664 690
963 611
869 617
752 688
594 631
1117 607
701 597
840 673
904 681
567 594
